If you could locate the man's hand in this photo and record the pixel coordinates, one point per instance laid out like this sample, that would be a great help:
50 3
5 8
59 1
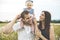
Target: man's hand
18 16
8 27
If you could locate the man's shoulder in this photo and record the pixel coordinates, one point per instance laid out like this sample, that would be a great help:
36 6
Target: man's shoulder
17 23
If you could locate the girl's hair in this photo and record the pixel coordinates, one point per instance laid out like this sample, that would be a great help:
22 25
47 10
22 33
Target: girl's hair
24 13
47 22
29 1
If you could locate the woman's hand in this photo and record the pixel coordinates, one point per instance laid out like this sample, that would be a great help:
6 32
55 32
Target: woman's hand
39 34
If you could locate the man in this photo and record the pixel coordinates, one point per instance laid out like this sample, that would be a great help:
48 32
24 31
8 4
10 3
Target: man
24 28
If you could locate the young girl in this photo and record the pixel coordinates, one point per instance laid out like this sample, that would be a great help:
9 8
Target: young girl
29 8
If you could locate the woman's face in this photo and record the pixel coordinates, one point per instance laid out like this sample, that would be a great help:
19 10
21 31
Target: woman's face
42 17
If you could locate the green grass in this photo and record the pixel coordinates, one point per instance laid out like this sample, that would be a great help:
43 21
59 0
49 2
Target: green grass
2 24
57 31
10 36
13 36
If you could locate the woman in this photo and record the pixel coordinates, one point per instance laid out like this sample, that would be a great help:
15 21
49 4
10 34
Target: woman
44 26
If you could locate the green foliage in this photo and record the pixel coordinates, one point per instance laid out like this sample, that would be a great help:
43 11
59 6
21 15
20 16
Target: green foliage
55 21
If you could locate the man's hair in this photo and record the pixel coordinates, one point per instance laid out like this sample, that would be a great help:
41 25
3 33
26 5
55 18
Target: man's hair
24 13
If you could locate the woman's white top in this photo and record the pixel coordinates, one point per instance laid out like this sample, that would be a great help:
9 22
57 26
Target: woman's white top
23 33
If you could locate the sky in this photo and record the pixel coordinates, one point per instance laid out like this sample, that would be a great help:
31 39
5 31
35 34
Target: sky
10 8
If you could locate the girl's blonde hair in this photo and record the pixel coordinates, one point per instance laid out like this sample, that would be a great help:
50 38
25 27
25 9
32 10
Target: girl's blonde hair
29 3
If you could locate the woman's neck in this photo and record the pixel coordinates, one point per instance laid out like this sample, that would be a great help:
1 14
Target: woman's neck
43 25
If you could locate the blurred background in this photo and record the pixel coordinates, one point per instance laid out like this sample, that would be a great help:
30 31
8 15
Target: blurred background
10 8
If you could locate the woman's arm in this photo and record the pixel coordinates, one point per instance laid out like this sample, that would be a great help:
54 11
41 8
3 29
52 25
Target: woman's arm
52 36
38 32
8 28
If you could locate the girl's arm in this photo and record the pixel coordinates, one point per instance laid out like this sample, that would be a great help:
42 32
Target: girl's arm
8 28
52 36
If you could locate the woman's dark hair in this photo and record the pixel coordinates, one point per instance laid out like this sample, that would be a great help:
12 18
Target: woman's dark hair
47 19
47 22
24 13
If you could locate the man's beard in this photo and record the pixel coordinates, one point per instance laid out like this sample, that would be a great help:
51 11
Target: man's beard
26 23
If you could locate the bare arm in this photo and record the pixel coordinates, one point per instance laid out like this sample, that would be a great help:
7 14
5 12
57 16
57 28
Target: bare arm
8 28
38 32
52 33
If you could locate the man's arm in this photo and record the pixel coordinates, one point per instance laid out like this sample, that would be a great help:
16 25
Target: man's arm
8 28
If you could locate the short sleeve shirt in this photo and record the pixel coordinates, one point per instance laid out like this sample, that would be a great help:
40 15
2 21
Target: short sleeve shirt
31 11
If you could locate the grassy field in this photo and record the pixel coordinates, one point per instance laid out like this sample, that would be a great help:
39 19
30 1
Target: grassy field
57 31
13 36
2 24
10 36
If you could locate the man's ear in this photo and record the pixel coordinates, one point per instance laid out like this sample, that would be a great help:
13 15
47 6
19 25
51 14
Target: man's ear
23 19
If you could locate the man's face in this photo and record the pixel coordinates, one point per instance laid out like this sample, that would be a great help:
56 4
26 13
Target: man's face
27 18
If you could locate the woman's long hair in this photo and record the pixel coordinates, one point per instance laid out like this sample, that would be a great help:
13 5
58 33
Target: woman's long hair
47 22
